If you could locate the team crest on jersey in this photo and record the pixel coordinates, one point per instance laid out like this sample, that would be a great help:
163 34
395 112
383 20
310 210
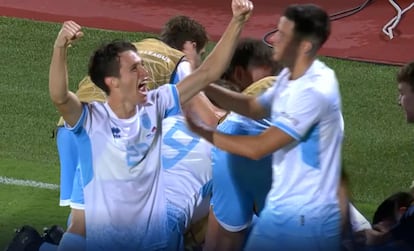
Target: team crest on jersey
145 121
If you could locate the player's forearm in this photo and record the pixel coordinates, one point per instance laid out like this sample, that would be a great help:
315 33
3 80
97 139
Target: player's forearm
203 108
74 237
214 65
65 101
241 145
58 76
374 237
230 100
219 58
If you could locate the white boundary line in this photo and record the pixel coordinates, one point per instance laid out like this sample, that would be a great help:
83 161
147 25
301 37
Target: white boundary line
27 183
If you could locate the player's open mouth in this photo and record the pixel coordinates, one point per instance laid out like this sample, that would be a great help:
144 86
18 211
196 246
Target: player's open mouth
143 86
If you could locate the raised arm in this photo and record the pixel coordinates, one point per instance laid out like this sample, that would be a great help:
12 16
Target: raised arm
207 112
65 101
237 102
217 61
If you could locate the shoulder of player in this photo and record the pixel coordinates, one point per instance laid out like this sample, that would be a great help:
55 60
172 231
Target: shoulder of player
160 93
260 86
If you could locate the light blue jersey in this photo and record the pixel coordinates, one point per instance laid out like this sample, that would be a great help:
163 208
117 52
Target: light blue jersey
240 185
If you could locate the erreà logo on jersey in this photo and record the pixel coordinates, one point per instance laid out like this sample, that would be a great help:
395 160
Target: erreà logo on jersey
116 132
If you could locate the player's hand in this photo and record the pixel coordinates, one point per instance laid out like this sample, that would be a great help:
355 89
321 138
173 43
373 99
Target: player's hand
242 9
69 32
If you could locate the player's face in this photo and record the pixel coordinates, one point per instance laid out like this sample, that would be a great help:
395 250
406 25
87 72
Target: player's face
250 75
191 53
133 76
201 55
406 100
285 47
259 72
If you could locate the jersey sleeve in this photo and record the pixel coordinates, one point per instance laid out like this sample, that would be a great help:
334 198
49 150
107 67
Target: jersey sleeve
183 70
77 128
77 197
301 112
168 100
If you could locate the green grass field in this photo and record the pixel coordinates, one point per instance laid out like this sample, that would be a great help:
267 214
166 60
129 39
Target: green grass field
378 150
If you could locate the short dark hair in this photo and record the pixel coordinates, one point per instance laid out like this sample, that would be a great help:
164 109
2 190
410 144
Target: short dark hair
406 75
311 23
387 208
104 62
251 52
182 28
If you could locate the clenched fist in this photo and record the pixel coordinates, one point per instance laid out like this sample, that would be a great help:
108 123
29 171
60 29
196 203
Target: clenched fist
69 32
242 9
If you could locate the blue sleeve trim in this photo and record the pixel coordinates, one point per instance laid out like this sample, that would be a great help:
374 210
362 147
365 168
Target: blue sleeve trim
176 109
77 128
174 78
288 130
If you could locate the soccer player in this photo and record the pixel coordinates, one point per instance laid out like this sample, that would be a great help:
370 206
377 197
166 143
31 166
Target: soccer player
121 202
168 60
305 139
393 224
405 80
240 185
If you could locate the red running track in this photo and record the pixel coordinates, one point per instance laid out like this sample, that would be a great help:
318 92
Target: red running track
357 37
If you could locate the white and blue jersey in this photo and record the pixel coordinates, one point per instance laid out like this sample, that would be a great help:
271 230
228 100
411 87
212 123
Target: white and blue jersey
186 161
90 92
186 177
302 211
122 191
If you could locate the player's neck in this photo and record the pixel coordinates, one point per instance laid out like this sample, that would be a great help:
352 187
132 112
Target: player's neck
299 68
123 110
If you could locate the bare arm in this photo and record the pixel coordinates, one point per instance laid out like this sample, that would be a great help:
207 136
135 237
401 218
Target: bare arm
208 112
74 238
253 147
376 237
77 222
65 101
237 102
199 104
218 60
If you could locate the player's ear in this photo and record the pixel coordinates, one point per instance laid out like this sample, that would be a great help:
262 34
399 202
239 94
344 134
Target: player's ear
111 82
238 74
306 47
241 77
